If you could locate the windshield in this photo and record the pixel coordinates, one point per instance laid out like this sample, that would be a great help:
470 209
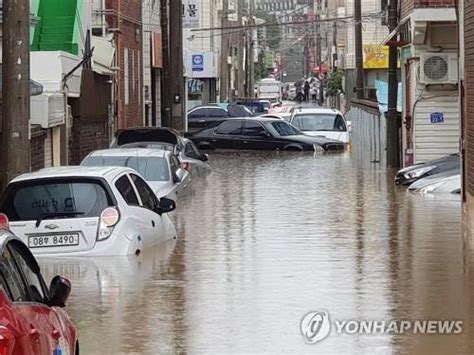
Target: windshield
319 122
284 129
32 200
151 168
269 89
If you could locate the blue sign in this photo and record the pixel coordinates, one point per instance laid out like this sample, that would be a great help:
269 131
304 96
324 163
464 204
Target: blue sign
437 117
198 62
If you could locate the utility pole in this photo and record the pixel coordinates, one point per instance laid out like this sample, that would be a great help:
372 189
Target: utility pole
224 79
359 56
334 44
165 92
393 126
176 80
15 155
251 59
240 58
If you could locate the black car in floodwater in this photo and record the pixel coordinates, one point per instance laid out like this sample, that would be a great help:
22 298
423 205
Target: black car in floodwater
259 133
409 175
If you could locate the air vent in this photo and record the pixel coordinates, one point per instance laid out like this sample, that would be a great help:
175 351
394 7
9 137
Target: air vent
439 68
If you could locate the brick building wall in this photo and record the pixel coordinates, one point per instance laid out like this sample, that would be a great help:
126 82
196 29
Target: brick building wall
407 6
87 135
129 42
469 95
37 149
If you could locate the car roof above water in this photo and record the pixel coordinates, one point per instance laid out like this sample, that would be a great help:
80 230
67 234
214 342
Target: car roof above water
316 110
106 172
132 152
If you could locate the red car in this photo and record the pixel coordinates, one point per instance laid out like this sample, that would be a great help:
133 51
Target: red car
32 320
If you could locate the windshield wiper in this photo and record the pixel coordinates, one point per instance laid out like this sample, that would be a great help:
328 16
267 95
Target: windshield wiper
56 214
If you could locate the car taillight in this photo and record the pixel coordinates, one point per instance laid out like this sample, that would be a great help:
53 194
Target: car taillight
110 216
4 223
186 166
108 219
7 341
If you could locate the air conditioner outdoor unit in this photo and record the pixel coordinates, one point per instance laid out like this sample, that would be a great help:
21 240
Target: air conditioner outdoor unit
439 68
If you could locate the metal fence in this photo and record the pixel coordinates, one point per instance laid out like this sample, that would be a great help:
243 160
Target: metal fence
368 133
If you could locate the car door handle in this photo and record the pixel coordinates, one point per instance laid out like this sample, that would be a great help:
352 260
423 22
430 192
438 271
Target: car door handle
245 142
202 121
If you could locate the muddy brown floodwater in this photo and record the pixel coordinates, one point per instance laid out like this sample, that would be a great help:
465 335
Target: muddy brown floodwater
266 239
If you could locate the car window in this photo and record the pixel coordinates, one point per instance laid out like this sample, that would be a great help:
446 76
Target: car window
32 279
151 168
217 112
254 129
199 113
146 194
284 129
33 199
230 127
319 122
16 287
190 151
175 165
126 190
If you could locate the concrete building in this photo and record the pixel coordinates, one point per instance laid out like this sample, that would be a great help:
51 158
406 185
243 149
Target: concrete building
202 50
375 53
427 37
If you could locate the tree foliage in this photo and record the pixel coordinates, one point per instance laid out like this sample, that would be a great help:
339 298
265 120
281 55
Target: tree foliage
334 83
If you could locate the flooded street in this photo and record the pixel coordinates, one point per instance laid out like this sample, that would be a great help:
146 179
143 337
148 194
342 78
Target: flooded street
268 238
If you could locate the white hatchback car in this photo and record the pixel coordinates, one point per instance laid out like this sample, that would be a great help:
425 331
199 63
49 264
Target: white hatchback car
86 211
322 122
160 168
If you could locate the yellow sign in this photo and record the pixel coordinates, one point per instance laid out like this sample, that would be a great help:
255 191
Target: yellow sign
375 56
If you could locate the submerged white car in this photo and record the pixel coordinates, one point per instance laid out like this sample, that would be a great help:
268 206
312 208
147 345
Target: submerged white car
160 168
80 211
322 122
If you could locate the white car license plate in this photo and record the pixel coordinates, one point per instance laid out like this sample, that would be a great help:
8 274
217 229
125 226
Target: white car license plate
61 240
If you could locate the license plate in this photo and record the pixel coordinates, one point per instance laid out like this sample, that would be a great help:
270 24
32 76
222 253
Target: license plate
61 240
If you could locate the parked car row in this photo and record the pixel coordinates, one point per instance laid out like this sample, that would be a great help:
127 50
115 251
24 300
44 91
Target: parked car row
435 176
117 202
303 129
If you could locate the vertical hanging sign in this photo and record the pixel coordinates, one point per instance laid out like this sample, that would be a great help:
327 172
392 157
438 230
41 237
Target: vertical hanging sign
190 13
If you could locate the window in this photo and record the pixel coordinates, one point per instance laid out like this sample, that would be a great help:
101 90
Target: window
319 122
16 288
151 168
253 129
75 199
175 165
126 190
284 129
191 151
126 76
199 113
231 127
32 279
217 113
145 192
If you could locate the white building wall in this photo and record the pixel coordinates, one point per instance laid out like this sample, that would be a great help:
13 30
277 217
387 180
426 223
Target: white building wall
373 32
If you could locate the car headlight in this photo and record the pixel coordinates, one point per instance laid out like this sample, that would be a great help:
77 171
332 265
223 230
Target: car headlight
414 174
431 188
318 149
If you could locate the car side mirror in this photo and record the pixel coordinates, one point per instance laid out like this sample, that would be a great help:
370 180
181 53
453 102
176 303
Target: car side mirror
59 291
265 134
349 126
204 157
167 205
179 175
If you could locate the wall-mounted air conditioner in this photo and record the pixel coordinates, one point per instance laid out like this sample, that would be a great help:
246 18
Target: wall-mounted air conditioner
439 68
47 110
